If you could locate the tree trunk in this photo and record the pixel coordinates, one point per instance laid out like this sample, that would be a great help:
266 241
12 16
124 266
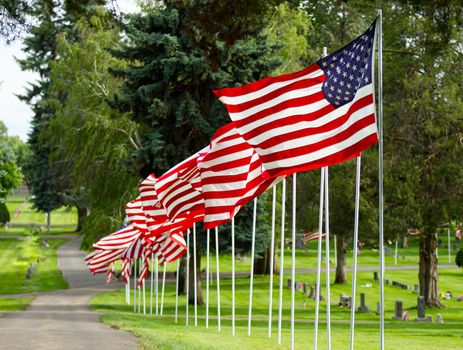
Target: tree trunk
341 246
428 276
82 214
191 292
48 221
262 263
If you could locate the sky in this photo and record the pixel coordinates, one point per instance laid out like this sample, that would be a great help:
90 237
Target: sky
14 113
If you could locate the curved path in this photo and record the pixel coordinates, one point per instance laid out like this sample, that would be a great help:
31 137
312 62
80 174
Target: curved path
63 319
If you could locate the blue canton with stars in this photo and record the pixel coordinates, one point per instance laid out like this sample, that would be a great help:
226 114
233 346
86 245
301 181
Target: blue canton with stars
348 69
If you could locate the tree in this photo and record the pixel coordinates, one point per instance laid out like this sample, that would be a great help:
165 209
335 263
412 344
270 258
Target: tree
459 258
178 53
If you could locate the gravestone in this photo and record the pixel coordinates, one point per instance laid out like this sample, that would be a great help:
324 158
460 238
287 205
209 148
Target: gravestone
387 282
388 251
398 310
377 308
289 283
439 318
306 287
421 310
362 307
312 292
298 286
345 301
375 275
416 290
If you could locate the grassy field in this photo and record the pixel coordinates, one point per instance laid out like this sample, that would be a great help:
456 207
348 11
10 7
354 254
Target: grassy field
16 255
21 212
161 333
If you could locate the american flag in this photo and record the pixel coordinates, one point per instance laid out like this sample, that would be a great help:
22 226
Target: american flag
319 116
311 236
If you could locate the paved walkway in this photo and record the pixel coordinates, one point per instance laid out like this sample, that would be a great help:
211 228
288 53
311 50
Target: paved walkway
63 319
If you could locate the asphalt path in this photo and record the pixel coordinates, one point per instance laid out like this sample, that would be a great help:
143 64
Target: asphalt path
63 319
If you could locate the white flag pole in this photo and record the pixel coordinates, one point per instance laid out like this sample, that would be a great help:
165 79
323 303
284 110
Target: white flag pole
207 277
380 178
253 247
354 270
176 290
187 275
143 286
156 282
163 286
293 261
396 250
335 245
151 284
319 258
272 257
233 272
134 285
448 242
327 259
282 256
139 289
218 276
195 290
127 288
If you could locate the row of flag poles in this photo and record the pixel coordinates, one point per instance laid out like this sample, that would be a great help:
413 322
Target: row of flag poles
320 116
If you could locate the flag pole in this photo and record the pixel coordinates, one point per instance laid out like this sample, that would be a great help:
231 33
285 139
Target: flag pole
354 270
207 277
233 272
156 282
282 256
176 290
143 286
163 287
327 259
380 178
139 289
272 257
251 280
319 259
195 290
396 250
293 260
187 275
134 285
151 284
218 276
448 242
128 289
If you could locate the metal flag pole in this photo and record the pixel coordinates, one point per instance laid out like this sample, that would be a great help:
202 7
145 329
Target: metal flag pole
448 242
380 178
327 259
272 257
163 287
134 285
233 272
319 259
293 261
127 287
143 286
251 280
151 284
195 290
396 250
187 287
335 245
218 276
354 270
282 256
176 290
207 277
139 289
156 282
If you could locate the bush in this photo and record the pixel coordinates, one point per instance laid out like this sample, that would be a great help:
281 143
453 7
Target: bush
459 258
4 214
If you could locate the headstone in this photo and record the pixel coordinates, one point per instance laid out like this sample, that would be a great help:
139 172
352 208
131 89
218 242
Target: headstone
398 310
298 286
387 282
439 318
375 275
362 307
306 288
377 308
416 290
388 251
428 318
312 292
421 309
289 283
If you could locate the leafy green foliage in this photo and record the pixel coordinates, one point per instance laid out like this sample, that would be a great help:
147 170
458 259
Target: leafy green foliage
459 258
4 214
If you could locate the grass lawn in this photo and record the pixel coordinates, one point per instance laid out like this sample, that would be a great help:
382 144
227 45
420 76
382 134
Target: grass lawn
15 257
161 333
14 304
21 212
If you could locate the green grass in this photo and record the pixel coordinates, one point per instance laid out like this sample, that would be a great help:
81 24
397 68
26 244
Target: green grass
14 304
15 257
21 212
161 333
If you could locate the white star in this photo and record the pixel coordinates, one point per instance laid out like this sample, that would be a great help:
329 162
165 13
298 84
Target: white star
330 95
335 79
341 60
344 74
338 97
348 85
331 88
366 79
354 67
332 65
341 83
338 70
336 103
357 58
351 77
348 65
324 64
334 58
339 91
346 98
362 48
347 92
